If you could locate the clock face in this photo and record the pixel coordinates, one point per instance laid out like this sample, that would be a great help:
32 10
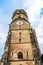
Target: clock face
19 22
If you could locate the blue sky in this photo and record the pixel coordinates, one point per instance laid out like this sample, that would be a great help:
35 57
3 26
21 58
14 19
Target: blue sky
34 9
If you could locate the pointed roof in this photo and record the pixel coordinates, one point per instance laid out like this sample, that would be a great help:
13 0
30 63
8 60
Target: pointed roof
18 11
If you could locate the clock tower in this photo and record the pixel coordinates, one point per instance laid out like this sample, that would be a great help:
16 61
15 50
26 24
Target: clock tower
21 46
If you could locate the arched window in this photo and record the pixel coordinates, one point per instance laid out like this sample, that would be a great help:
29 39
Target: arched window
20 55
19 16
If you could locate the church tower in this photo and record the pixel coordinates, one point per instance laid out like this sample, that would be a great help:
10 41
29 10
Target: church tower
21 47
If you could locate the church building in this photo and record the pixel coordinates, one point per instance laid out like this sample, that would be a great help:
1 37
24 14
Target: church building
21 46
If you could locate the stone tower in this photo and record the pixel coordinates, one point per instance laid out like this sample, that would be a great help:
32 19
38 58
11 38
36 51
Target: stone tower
21 47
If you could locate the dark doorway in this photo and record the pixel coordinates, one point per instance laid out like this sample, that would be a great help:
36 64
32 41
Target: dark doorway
42 58
20 55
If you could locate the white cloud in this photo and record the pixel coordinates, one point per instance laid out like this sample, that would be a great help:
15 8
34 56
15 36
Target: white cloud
33 8
3 31
3 35
3 26
41 47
